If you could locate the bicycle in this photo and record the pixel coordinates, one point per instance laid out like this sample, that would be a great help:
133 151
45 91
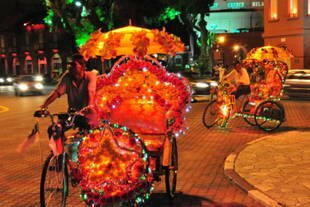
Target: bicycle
265 113
59 170
225 107
54 184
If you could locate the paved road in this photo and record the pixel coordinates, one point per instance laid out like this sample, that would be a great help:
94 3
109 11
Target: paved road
201 180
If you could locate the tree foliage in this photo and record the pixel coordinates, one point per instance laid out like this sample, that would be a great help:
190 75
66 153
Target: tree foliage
81 17
193 16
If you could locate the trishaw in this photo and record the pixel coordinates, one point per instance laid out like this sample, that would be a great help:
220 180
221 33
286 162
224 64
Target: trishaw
142 109
268 67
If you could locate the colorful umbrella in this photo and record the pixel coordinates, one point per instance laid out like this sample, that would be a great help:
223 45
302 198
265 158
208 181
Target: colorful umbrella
131 40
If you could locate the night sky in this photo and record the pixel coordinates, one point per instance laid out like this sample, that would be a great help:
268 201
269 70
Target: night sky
14 12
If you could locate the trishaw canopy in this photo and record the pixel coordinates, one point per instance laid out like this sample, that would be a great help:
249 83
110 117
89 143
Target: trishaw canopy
131 40
270 53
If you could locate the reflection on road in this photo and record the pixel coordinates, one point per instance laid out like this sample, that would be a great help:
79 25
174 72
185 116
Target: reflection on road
3 109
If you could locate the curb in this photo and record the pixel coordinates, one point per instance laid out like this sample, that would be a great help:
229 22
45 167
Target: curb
251 190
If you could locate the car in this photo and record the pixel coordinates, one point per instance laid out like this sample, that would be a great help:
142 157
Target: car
297 84
201 85
6 80
28 84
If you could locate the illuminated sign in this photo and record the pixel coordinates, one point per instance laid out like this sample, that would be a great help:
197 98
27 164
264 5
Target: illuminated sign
214 6
235 5
257 4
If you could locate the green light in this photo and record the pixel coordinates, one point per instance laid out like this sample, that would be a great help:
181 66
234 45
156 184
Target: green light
49 18
169 14
69 1
214 6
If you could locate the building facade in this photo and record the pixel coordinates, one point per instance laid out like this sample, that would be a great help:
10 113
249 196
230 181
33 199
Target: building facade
235 16
239 24
26 44
34 50
287 24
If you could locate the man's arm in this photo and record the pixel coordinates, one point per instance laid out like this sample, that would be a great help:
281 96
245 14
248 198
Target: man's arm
230 76
50 99
60 90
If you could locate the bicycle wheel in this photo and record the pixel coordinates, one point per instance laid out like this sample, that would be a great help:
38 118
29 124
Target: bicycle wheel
247 113
171 171
54 182
269 115
210 115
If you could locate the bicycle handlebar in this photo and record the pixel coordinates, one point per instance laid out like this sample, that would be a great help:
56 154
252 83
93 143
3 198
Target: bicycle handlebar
41 113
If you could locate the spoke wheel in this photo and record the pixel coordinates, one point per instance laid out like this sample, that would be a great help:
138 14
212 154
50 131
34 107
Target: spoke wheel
248 113
210 115
171 171
269 115
54 183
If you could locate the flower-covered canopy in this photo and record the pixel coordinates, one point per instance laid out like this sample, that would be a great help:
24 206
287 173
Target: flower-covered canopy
270 53
130 40
143 96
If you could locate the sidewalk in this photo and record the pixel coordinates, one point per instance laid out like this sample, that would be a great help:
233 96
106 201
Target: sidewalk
274 170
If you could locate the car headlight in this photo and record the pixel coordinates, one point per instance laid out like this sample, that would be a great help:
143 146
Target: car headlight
214 84
202 85
38 86
23 87
38 78
1 80
9 79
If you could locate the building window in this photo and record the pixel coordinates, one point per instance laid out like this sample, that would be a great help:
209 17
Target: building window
273 9
293 11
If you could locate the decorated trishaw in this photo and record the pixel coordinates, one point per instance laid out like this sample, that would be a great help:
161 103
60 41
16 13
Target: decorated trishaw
267 67
142 109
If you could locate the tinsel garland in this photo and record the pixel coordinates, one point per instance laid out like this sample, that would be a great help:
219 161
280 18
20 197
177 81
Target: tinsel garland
144 82
113 167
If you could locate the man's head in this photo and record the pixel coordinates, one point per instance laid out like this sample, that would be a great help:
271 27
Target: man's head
77 66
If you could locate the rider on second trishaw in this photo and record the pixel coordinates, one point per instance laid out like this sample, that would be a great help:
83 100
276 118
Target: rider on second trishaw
240 79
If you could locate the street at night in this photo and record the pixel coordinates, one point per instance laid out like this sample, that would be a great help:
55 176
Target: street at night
162 103
202 152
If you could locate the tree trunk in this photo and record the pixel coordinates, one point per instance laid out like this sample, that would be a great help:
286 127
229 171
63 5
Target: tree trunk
204 50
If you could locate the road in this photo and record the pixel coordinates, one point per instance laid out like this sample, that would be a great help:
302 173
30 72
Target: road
201 179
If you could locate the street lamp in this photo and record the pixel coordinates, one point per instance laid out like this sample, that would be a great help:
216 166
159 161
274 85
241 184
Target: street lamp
221 39
236 50
218 53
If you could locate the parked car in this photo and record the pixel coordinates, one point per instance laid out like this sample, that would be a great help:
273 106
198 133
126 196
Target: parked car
297 83
28 84
6 80
201 85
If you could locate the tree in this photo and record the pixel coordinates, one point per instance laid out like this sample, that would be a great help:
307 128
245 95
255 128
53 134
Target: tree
82 17
193 16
